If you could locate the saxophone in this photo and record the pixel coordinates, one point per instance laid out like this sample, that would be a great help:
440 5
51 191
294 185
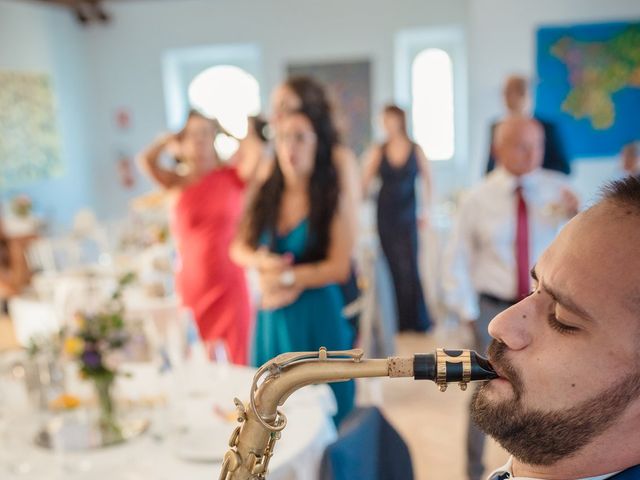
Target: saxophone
252 442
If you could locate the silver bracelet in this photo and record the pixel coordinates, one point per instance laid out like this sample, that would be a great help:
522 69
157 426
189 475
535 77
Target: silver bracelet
288 278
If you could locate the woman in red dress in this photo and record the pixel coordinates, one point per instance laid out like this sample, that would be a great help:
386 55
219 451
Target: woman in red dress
208 204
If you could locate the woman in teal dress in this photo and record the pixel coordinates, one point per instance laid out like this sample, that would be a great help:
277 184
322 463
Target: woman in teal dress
296 235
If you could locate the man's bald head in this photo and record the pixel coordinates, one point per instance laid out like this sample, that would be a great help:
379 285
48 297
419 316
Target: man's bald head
516 94
519 145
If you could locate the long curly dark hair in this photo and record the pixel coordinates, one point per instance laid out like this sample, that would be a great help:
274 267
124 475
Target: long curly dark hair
313 97
323 192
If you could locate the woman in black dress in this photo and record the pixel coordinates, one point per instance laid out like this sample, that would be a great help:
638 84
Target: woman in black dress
398 161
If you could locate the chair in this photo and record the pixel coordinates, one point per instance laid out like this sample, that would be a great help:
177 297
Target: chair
368 448
378 319
40 256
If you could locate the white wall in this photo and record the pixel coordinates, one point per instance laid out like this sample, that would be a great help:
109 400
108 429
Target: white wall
99 69
42 39
502 42
126 57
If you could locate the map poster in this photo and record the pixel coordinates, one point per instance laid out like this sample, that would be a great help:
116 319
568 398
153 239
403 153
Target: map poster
589 85
349 89
29 140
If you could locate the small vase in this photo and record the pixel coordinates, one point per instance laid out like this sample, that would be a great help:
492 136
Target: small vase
44 376
107 421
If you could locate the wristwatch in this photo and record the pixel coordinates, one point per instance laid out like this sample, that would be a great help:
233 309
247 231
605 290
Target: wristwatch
288 278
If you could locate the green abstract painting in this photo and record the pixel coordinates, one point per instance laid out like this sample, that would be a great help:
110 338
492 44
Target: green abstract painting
29 139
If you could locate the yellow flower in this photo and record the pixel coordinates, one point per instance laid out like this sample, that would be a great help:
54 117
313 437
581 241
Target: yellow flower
73 346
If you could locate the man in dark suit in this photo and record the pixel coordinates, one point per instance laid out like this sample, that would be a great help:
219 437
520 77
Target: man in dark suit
517 101
567 405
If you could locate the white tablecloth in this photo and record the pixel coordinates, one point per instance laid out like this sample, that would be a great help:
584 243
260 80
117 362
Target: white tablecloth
193 394
38 316
31 318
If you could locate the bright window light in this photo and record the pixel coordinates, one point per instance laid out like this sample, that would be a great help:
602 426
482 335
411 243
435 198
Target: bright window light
432 103
230 95
226 146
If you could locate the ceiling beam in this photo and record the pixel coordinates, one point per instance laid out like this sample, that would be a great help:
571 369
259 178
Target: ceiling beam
85 11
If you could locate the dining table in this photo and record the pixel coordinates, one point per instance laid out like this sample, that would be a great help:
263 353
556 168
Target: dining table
190 415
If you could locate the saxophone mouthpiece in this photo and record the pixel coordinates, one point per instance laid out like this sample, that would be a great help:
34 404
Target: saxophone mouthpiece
449 366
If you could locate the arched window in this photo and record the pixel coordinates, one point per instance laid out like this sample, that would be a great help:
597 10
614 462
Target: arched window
432 103
230 95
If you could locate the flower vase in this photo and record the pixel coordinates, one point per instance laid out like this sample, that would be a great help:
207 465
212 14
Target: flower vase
107 420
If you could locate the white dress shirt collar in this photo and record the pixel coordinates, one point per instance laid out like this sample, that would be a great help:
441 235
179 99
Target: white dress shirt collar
508 469
509 181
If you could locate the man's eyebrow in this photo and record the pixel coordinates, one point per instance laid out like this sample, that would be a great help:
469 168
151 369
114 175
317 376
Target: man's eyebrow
563 299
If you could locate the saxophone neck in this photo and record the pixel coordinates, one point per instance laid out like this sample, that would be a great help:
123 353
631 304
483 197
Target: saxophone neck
291 371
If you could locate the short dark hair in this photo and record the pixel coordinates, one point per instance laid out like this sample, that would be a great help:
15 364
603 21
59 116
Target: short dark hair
624 192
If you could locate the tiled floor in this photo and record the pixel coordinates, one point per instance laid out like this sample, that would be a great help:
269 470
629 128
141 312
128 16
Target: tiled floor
432 423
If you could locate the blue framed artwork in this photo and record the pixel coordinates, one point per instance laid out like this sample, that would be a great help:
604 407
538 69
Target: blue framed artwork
589 85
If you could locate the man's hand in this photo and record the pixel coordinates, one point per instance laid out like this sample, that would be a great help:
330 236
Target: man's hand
570 202
564 208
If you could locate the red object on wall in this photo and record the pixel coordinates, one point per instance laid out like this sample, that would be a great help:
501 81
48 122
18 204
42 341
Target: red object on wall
123 118
125 172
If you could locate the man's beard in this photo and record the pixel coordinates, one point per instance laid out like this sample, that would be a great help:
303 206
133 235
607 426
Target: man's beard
538 437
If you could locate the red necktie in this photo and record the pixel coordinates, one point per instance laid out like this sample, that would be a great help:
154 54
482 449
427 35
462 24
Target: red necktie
522 245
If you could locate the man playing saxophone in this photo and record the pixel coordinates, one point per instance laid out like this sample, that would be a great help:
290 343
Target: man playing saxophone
567 405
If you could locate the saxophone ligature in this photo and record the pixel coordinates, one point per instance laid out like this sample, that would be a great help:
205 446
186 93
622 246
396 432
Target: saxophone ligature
252 442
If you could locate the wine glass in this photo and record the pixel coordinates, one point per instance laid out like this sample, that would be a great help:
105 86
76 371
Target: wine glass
69 432
18 419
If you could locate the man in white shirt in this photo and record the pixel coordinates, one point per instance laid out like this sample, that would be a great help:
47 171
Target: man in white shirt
567 403
503 225
506 473
517 101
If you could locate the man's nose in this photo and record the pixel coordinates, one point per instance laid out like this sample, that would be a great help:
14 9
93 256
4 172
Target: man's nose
512 326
